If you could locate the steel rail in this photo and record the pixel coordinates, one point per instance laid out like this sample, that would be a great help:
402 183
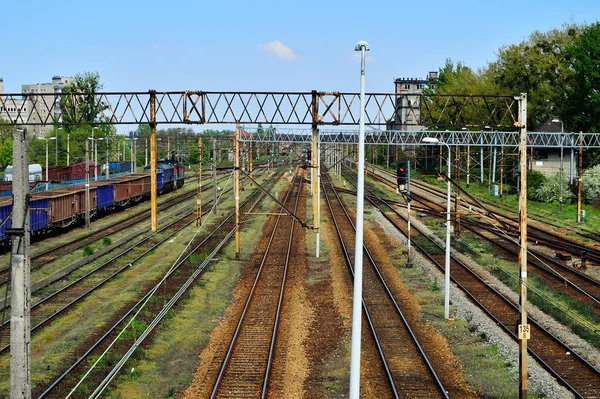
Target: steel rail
372 326
537 329
100 268
234 340
176 267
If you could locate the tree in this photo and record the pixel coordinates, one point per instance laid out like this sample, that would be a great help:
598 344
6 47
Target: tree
83 107
541 67
582 112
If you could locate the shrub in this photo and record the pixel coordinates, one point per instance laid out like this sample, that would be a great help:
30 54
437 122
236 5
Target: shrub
106 241
535 180
550 189
87 251
590 185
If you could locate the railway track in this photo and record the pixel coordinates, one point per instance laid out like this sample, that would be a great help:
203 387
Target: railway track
407 368
41 259
178 277
49 308
561 361
245 367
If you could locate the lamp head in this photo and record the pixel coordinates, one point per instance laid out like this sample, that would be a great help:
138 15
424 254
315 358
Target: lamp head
430 140
362 44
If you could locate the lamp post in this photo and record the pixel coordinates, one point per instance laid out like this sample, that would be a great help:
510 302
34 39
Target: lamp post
361 46
95 154
46 138
447 262
102 139
560 198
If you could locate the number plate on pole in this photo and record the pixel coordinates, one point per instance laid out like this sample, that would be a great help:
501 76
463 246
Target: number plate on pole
524 331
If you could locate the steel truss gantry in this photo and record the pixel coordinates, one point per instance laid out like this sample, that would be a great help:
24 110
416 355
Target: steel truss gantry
461 138
287 108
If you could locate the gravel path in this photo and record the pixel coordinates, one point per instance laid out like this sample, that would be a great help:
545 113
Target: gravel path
539 380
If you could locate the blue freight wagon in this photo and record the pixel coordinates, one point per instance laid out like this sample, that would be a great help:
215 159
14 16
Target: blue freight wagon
38 216
119 167
105 195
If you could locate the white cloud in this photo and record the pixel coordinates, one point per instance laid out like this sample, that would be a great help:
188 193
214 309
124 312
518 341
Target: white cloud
279 50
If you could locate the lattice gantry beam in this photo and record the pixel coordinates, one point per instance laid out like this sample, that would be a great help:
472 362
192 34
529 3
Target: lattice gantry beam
281 108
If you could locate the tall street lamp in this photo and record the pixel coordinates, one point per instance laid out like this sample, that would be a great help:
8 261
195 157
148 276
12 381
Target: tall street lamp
362 46
560 198
447 263
46 138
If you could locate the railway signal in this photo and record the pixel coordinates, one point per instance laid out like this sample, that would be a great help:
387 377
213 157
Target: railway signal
401 175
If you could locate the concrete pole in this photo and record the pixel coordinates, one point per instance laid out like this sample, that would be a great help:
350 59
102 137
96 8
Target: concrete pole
68 148
199 193
95 144
523 328
237 191
572 160
358 245
55 148
87 185
20 302
501 169
408 248
153 188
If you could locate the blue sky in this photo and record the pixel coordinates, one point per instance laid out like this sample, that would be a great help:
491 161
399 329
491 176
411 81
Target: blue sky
262 45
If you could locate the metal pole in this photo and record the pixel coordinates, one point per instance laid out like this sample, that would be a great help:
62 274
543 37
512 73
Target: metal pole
408 199
237 191
523 327
68 148
107 155
481 161
55 147
501 169
146 151
95 144
153 187
572 160
199 193
20 300
318 218
358 245
214 173
468 165
560 197
46 164
87 185
447 260
579 178
494 159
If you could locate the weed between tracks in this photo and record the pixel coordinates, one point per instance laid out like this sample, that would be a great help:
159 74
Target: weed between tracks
540 293
167 365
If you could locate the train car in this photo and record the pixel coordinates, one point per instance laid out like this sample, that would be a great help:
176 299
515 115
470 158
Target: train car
38 217
128 189
67 205
116 167
105 196
78 170
58 173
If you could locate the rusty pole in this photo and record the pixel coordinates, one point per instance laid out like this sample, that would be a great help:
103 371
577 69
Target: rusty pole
523 328
579 178
237 191
199 193
250 159
153 188
441 163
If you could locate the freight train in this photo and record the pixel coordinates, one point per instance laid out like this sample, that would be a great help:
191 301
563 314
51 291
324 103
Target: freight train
62 207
